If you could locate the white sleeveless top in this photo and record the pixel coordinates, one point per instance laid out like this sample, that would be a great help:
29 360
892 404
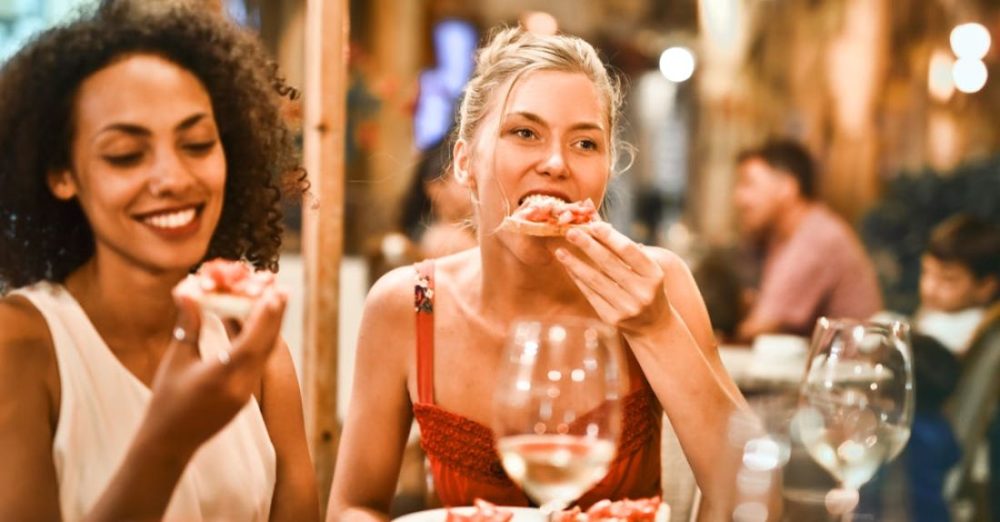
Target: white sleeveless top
230 477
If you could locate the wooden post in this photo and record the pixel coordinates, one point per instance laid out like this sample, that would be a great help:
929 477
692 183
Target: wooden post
326 34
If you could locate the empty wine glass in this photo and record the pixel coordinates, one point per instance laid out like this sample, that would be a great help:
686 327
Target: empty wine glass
557 411
856 401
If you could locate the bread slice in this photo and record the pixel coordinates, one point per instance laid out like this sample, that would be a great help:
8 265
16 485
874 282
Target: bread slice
547 216
532 228
226 288
227 306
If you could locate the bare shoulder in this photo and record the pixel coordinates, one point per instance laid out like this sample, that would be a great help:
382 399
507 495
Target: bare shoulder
27 356
391 297
672 264
25 334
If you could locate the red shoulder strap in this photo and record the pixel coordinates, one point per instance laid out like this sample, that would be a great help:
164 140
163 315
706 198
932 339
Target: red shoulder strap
423 300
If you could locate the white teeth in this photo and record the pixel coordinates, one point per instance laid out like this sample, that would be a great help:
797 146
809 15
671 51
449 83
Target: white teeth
171 220
542 197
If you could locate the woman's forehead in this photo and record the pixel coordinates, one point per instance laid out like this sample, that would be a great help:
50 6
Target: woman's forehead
555 96
139 88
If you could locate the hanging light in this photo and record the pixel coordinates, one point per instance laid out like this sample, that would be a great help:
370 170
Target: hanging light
969 75
677 64
970 40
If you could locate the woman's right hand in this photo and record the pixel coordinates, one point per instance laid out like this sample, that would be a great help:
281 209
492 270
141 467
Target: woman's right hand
194 398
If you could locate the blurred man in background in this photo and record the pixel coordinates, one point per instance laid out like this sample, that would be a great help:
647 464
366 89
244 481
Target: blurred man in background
813 263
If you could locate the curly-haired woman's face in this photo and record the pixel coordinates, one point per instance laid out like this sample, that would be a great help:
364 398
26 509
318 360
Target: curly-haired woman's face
148 166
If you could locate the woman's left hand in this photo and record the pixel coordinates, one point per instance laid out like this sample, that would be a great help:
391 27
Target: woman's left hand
622 283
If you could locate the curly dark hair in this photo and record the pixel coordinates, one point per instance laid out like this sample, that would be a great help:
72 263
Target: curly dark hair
43 238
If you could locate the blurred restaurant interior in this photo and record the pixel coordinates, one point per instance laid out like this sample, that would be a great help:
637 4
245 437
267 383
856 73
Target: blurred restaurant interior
897 101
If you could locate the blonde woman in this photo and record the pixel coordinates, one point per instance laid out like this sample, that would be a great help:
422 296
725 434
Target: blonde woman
538 116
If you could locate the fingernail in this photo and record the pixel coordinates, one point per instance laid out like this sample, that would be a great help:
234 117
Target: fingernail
561 254
573 235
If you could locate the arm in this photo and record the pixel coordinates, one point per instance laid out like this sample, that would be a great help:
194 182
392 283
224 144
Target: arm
650 297
192 400
28 413
295 495
380 415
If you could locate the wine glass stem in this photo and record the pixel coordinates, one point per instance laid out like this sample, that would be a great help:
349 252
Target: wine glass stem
550 508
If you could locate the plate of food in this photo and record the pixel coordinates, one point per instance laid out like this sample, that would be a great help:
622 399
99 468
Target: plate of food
550 216
482 511
651 509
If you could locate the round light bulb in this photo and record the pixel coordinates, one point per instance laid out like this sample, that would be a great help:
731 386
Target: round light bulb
677 64
969 75
970 40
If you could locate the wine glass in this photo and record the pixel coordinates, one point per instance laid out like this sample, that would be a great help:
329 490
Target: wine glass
856 401
557 407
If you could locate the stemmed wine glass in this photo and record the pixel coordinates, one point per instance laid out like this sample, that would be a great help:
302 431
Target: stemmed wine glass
557 411
856 400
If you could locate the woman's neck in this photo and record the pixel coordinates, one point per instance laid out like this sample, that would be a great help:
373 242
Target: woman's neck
540 286
125 302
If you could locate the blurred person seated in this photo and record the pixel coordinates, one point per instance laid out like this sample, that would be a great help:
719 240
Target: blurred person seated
911 487
959 280
932 449
960 302
437 211
813 263
721 286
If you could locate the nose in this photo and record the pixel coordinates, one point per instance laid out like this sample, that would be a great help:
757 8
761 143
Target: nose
169 176
554 162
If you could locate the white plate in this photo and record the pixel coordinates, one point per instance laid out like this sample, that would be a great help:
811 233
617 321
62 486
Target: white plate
521 514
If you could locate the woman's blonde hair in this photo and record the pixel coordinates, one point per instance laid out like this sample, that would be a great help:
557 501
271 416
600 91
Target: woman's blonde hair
513 52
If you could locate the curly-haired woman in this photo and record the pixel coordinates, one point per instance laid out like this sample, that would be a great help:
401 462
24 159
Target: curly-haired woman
134 144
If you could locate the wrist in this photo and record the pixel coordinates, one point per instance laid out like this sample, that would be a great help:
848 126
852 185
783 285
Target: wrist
165 453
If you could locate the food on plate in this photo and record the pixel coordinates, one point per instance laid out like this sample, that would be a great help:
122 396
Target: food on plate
542 215
226 288
483 512
650 509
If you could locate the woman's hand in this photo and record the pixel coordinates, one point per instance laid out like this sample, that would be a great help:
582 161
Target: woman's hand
622 283
194 398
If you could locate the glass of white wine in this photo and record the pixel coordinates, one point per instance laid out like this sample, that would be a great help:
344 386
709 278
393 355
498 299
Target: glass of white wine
557 407
856 401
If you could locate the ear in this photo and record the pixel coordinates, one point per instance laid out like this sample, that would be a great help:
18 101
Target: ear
788 187
462 155
62 184
986 289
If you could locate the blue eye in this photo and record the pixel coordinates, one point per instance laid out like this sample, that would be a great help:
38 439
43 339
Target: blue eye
524 133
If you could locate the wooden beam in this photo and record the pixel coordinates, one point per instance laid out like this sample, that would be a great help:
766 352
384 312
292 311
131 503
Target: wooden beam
326 35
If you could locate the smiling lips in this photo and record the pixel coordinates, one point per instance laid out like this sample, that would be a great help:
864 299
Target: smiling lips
169 220
173 222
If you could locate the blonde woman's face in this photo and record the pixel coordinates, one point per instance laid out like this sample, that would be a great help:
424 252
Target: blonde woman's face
551 137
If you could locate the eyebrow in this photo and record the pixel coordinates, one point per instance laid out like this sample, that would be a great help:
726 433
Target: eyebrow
586 125
138 130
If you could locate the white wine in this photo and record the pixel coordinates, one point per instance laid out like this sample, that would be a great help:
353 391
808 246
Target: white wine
555 467
852 455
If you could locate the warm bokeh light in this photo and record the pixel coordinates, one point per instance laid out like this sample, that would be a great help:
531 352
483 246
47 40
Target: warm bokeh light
939 76
539 22
677 64
970 40
969 75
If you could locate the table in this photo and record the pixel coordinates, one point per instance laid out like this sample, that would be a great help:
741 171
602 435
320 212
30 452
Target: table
755 373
